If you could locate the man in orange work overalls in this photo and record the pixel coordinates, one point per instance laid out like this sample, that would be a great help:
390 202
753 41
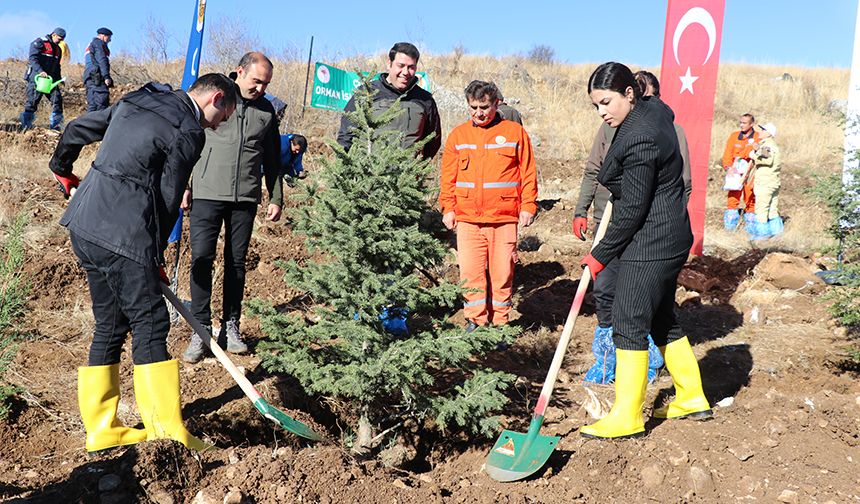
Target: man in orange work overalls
489 187
738 146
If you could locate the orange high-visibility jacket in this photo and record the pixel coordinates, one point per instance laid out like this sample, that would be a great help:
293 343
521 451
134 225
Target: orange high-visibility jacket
488 173
738 146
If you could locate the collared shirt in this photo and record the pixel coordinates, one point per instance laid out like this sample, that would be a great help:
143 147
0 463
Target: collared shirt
196 109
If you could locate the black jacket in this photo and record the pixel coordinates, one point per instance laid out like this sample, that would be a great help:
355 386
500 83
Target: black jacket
419 120
97 63
45 57
129 200
642 170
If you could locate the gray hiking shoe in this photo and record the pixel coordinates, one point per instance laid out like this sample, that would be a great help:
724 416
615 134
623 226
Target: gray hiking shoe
196 349
234 338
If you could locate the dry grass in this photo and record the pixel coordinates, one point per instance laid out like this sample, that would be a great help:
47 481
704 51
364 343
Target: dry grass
561 120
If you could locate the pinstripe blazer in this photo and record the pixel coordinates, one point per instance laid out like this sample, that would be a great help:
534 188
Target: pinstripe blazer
643 171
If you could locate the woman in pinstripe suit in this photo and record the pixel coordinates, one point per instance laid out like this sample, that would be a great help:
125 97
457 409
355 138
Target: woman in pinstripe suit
650 235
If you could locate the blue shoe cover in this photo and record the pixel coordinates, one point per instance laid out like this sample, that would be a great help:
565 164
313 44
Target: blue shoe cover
731 219
655 360
603 370
776 226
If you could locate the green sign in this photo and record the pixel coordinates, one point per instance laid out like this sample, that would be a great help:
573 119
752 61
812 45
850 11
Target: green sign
333 87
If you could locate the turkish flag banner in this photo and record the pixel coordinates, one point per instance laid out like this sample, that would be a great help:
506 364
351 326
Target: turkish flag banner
688 82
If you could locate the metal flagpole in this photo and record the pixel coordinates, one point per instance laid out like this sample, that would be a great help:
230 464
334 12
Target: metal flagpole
307 76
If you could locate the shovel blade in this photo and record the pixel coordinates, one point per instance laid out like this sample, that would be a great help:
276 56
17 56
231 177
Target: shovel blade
516 455
834 277
287 422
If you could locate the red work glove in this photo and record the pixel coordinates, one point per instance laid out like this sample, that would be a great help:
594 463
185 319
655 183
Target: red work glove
162 275
593 264
580 226
67 183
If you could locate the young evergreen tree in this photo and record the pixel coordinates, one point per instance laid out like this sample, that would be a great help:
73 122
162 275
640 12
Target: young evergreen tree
362 219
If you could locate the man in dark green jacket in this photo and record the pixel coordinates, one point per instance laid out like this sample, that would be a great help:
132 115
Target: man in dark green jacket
421 117
226 188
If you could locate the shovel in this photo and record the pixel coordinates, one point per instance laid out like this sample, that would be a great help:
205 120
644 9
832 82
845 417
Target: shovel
516 455
268 411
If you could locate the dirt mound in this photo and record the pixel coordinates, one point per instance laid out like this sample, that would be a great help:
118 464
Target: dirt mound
785 271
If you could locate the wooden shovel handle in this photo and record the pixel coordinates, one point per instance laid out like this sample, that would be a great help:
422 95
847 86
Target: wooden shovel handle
564 340
212 344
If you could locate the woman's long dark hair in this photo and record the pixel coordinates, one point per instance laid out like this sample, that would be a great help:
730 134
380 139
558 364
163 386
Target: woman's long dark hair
613 77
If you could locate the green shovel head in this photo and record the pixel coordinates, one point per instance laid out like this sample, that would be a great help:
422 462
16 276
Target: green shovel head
287 422
516 455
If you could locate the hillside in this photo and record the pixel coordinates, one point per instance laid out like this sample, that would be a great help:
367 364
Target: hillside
787 426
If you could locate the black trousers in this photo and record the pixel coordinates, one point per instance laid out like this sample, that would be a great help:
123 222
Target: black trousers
34 97
98 97
206 219
126 296
645 303
604 293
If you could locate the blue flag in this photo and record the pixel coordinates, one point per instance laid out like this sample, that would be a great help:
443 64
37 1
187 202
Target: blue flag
192 66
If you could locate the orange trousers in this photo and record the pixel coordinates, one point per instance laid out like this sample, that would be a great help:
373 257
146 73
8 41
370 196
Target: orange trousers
483 248
746 193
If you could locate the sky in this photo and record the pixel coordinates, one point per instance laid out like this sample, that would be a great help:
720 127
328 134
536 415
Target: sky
775 32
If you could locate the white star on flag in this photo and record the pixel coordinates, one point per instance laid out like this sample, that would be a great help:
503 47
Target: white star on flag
687 81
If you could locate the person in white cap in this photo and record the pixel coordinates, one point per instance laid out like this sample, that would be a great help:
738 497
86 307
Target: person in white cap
766 185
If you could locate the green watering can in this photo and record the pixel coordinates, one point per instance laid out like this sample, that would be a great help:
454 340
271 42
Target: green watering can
46 84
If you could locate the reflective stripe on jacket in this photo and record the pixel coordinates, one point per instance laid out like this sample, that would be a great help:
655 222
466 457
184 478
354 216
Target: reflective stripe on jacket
44 57
488 173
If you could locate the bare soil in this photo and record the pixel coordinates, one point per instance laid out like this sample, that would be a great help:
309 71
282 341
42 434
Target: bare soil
787 399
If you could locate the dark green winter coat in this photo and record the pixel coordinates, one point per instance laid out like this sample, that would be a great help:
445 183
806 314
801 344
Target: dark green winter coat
239 154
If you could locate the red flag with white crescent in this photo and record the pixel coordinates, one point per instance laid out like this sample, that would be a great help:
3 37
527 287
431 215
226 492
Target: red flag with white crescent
688 82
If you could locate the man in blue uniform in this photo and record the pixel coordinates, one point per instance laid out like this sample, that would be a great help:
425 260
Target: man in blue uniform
97 78
44 61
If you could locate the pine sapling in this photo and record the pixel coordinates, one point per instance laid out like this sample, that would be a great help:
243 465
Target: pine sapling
365 226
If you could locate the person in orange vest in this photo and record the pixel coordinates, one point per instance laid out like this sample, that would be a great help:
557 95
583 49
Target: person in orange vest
738 147
489 188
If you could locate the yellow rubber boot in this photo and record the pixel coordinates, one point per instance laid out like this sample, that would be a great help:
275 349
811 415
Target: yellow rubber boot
689 399
624 420
156 387
98 398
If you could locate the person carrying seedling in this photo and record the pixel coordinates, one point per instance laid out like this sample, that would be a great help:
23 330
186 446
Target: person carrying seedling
649 235
766 164
736 160
489 188
44 62
118 221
